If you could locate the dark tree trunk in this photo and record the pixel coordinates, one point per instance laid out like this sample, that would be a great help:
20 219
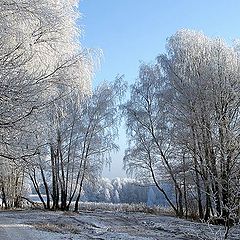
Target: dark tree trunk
46 189
208 205
36 187
4 200
79 193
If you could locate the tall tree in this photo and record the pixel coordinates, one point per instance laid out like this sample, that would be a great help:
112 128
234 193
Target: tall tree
80 134
150 129
204 74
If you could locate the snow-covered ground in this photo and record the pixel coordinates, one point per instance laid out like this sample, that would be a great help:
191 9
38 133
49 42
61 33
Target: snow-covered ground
41 225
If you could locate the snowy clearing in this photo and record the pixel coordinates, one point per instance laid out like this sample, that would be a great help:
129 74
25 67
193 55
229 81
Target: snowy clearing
39 225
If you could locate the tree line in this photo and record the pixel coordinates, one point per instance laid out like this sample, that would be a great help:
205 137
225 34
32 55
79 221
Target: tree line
183 125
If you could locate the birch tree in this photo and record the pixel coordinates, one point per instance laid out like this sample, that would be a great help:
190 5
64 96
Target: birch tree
205 75
80 136
151 147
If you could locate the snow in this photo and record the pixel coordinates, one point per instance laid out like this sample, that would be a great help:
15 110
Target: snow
42 225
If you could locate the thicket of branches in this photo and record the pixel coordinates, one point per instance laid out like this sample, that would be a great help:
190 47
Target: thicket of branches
183 125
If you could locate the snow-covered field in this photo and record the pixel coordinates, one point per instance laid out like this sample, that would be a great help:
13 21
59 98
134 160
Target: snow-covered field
41 225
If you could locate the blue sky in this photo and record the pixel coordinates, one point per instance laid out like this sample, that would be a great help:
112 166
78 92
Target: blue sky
130 31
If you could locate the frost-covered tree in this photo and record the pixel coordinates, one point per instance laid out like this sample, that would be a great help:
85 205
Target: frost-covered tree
100 123
116 198
121 190
150 154
183 119
204 74
40 52
79 135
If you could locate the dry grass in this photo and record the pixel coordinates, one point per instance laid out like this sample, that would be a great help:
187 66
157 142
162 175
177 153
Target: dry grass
57 227
124 207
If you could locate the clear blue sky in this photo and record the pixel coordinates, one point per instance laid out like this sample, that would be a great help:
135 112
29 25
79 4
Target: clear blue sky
130 31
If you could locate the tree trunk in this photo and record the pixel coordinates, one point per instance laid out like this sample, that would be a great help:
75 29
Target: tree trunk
4 200
208 205
79 194
46 189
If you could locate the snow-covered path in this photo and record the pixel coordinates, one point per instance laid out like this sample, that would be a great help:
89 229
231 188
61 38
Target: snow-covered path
3 233
10 229
104 225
